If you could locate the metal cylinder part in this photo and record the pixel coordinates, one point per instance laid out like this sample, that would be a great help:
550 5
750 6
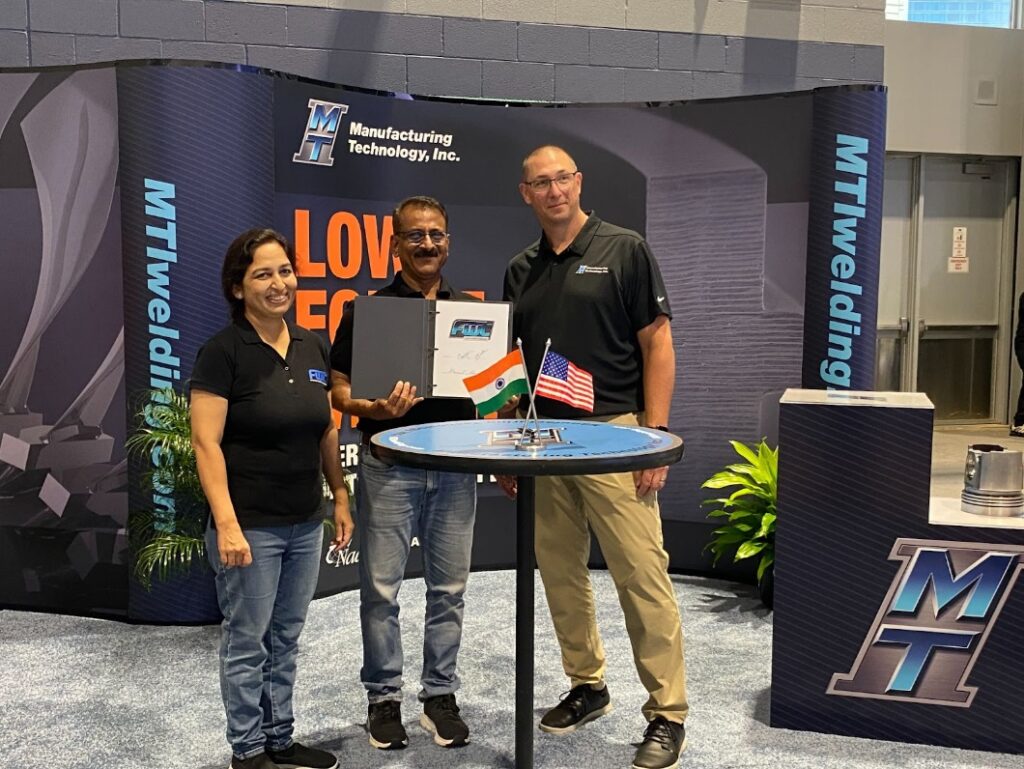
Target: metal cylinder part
993 481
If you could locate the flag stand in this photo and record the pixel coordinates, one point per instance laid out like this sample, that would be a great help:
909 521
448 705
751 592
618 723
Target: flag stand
535 438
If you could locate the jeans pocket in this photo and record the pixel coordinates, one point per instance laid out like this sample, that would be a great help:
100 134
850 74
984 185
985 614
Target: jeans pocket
372 462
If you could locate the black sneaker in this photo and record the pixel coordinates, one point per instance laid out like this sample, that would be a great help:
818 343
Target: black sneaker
259 761
384 723
298 756
663 742
1017 431
441 717
579 705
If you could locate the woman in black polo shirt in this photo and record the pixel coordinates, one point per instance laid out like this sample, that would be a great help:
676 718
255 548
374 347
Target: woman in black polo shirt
262 431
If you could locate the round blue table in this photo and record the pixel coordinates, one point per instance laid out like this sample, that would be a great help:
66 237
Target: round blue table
489 446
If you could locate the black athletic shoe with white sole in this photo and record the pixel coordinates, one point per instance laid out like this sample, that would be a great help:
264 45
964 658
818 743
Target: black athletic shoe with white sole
384 725
441 718
579 705
259 761
298 756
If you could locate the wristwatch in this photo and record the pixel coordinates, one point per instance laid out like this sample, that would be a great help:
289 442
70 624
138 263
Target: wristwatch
659 427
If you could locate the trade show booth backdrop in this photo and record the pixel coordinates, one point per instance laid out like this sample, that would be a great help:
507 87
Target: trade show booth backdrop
121 186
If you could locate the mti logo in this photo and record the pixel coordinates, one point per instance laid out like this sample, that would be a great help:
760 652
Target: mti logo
933 623
321 130
472 329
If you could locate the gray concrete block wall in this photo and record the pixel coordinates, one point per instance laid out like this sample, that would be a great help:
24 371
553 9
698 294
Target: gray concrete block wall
158 19
13 48
51 49
85 17
484 40
624 48
540 50
554 43
701 53
13 14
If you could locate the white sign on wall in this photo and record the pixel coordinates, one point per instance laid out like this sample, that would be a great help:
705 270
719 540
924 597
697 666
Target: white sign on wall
958 260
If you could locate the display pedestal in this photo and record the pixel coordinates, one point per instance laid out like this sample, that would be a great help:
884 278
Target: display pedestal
887 626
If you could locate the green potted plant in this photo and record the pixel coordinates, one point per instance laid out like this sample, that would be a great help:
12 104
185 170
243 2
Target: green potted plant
166 544
749 511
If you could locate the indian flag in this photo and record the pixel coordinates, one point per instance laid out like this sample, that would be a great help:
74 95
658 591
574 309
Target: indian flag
492 387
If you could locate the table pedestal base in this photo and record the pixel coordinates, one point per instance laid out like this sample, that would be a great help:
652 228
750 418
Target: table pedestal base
525 494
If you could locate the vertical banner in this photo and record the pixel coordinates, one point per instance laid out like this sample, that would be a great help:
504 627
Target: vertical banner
844 234
63 486
196 170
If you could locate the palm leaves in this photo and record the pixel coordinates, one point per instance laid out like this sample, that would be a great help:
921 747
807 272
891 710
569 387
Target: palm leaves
163 437
163 441
750 510
163 553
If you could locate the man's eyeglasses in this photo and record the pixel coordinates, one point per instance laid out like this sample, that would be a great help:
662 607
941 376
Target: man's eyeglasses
416 237
562 181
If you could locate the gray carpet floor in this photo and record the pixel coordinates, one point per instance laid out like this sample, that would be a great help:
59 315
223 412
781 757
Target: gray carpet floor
91 694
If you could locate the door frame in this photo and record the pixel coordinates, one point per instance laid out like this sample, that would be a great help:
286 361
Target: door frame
1006 375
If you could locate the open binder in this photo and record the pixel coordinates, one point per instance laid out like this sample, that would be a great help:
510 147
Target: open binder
434 344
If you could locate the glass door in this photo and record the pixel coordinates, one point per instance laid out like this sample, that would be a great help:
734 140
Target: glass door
946 280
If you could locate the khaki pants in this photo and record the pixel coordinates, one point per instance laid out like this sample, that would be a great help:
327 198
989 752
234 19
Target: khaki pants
628 529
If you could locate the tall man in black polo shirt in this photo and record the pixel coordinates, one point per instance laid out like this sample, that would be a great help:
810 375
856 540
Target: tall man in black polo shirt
394 500
595 290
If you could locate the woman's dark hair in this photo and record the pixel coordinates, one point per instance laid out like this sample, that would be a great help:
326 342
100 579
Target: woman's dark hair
239 257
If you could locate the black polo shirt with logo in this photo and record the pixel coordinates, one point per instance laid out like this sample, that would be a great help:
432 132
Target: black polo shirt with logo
590 300
277 415
428 410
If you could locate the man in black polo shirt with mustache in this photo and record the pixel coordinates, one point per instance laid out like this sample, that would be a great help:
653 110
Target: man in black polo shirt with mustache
595 290
393 500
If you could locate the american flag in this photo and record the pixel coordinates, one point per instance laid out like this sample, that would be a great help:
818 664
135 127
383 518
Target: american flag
560 380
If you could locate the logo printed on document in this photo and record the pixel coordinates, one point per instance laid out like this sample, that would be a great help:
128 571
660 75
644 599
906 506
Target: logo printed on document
471 329
933 623
321 131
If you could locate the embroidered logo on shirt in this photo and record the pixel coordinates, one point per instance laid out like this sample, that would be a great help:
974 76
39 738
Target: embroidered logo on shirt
318 376
583 269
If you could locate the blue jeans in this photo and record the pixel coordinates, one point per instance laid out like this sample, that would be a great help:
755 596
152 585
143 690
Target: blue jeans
264 607
441 507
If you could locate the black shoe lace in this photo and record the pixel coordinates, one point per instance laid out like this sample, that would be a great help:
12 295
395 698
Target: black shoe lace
660 732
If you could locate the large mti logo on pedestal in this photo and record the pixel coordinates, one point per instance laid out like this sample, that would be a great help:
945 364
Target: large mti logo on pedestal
934 622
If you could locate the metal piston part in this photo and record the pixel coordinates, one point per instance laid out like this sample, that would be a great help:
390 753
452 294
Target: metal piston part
993 478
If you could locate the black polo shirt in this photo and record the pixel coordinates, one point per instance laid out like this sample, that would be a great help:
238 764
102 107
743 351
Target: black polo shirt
277 414
430 409
590 300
